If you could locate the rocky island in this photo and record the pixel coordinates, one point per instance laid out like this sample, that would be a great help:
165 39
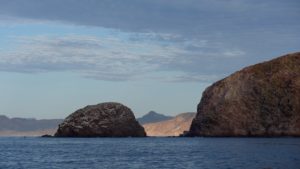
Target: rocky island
259 100
102 120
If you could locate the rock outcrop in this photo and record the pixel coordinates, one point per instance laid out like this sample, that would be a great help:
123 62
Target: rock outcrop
172 127
260 100
102 120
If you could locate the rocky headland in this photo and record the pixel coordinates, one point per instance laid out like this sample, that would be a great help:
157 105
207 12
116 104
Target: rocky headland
259 100
102 120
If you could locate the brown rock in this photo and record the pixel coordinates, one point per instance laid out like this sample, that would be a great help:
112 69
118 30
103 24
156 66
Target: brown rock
102 120
260 100
172 127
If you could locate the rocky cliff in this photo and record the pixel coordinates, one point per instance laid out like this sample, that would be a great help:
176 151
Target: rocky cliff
102 120
259 100
172 127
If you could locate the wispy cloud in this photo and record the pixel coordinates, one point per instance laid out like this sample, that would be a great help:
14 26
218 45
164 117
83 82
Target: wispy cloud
198 38
108 58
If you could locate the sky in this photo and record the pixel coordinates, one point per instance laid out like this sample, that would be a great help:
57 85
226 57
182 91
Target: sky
57 56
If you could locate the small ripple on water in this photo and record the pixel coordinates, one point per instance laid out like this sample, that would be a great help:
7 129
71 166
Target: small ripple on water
248 153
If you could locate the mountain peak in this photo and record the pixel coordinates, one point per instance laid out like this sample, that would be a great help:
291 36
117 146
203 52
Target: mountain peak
152 117
152 113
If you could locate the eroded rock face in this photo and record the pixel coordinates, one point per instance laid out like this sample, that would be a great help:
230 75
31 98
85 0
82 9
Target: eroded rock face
260 100
102 120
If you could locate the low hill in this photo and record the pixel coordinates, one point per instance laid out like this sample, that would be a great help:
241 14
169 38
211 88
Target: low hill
27 124
172 127
34 133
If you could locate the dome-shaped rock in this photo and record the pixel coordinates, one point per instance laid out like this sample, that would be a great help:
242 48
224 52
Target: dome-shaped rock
101 120
260 100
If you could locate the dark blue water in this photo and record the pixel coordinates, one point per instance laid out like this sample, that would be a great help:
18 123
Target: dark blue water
210 153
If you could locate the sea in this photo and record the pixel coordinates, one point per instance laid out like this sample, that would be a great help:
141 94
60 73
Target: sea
148 153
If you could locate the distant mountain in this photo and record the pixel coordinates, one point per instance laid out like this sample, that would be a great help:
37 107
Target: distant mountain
27 124
28 133
171 127
153 117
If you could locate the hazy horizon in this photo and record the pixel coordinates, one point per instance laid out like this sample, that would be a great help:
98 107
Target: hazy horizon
58 56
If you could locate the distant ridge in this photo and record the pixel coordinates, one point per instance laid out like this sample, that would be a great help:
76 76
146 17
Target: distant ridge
34 133
27 124
153 117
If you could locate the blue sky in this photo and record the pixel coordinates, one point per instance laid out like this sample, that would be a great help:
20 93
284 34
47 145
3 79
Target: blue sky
59 55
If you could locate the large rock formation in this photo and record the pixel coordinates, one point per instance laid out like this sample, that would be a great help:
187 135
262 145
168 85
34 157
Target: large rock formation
102 120
172 127
260 100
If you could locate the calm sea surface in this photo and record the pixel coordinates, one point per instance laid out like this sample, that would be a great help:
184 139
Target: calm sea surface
210 153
